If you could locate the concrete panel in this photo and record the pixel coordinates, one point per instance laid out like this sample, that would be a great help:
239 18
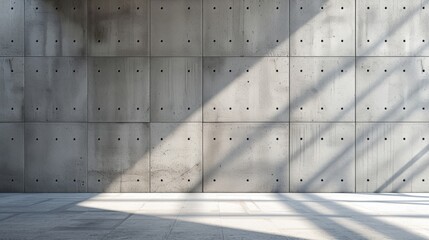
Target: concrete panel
118 90
56 89
118 28
246 89
392 28
12 27
392 89
322 27
118 157
11 89
322 157
176 157
239 28
176 89
11 157
55 157
176 27
246 157
55 28
322 89
392 157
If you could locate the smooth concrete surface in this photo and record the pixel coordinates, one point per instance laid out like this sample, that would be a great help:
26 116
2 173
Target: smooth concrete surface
118 89
259 150
322 157
246 89
55 89
214 216
241 28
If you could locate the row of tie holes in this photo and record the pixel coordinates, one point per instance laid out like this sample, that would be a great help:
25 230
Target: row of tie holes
214 180
56 40
423 40
214 108
402 8
215 41
386 40
229 40
214 8
162 8
74 180
214 139
247 70
342 180
37 180
248 81
385 108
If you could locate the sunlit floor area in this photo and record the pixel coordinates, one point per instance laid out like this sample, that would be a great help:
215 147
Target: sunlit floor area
214 216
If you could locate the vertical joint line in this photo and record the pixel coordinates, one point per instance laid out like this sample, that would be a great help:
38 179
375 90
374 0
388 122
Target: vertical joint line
202 100
289 105
149 9
355 90
23 114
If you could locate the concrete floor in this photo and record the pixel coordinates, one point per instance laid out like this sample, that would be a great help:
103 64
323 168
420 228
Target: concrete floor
214 216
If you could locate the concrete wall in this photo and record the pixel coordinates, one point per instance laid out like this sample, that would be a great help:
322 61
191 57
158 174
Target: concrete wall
214 96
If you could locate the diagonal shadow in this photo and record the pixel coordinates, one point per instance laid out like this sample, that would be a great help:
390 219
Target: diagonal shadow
359 139
253 62
62 216
47 216
412 161
370 222
322 84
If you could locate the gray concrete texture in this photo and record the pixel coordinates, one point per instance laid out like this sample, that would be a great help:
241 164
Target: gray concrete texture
213 216
214 96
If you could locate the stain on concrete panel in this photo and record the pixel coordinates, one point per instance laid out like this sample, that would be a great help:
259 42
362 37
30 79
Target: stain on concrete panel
118 28
12 27
55 28
56 157
118 157
11 157
11 89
